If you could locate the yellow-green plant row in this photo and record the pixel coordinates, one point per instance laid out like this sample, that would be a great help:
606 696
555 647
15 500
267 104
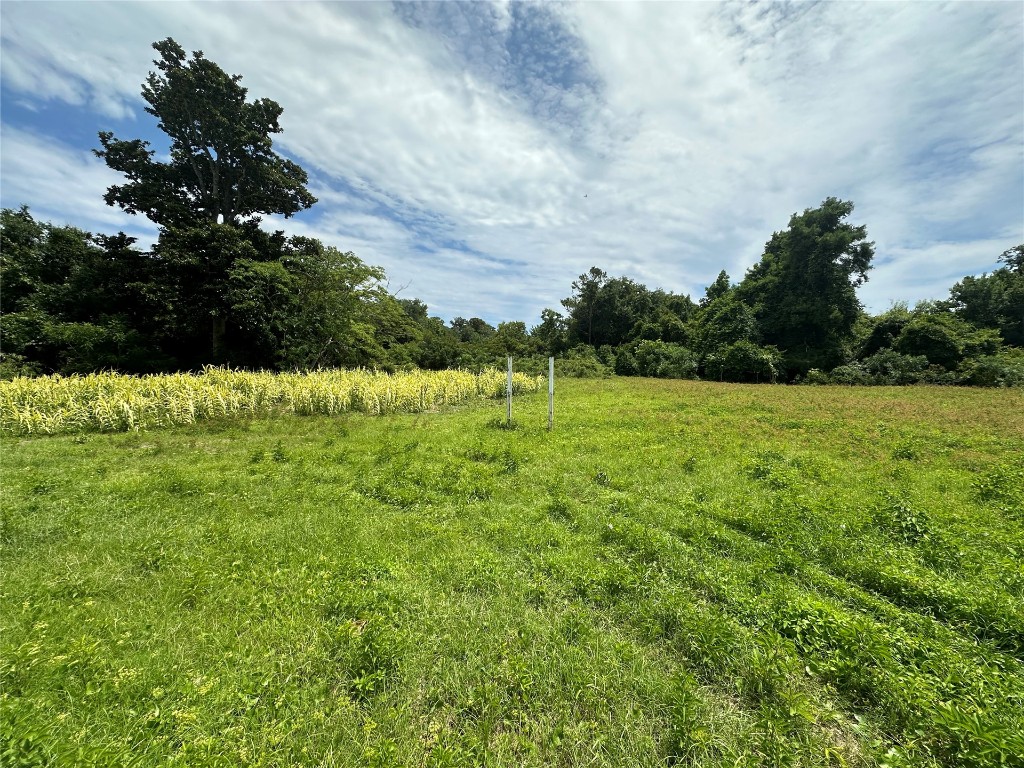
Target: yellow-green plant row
112 402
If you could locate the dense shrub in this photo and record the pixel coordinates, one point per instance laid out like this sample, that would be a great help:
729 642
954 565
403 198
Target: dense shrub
1003 370
663 360
889 367
744 361
625 362
945 340
817 376
581 362
852 374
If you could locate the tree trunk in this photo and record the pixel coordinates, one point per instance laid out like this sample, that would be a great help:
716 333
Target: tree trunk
218 329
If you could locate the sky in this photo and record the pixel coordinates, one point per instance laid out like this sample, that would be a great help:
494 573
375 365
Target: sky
486 154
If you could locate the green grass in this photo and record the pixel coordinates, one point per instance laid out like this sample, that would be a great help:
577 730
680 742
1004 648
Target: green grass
680 574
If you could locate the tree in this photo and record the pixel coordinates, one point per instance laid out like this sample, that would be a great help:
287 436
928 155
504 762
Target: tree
803 289
994 301
222 167
744 361
76 302
510 339
882 331
550 335
473 330
198 262
623 310
663 360
440 346
721 322
717 289
581 305
944 339
616 311
341 313
1013 258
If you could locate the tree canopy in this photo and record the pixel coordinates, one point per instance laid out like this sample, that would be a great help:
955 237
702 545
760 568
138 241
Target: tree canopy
803 288
222 166
994 300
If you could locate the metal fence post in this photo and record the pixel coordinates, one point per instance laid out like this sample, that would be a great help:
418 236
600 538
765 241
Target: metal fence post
551 393
508 389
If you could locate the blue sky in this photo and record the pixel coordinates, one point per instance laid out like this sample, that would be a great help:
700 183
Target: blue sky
485 154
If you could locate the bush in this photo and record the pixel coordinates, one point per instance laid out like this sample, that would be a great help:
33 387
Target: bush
744 361
1005 369
889 367
852 374
662 360
606 354
936 374
12 366
581 363
625 362
946 340
817 376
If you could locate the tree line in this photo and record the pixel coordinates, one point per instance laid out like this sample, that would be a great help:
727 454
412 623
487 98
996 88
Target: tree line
218 289
795 317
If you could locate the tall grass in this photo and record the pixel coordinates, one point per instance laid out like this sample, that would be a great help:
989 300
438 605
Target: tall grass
110 402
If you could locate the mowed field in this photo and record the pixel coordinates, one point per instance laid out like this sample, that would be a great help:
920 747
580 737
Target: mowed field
681 573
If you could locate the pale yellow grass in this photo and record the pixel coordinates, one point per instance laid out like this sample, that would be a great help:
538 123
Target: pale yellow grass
112 402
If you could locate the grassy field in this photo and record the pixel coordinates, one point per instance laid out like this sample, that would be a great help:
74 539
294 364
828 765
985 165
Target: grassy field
681 573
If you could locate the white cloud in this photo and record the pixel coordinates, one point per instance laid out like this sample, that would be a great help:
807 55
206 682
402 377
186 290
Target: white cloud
928 271
62 184
694 130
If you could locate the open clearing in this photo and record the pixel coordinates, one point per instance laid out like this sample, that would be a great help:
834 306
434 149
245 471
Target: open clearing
681 573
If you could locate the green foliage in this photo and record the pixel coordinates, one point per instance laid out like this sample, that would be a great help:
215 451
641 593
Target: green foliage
1005 369
717 289
744 361
817 377
881 332
720 322
853 374
511 339
1002 486
77 302
898 518
625 362
889 367
208 293
581 362
550 335
222 167
795 315
218 289
944 340
663 360
680 573
803 289
472 330
615 311
994 300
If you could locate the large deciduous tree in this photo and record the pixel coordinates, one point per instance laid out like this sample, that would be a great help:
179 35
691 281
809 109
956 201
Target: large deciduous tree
803 289
222 167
